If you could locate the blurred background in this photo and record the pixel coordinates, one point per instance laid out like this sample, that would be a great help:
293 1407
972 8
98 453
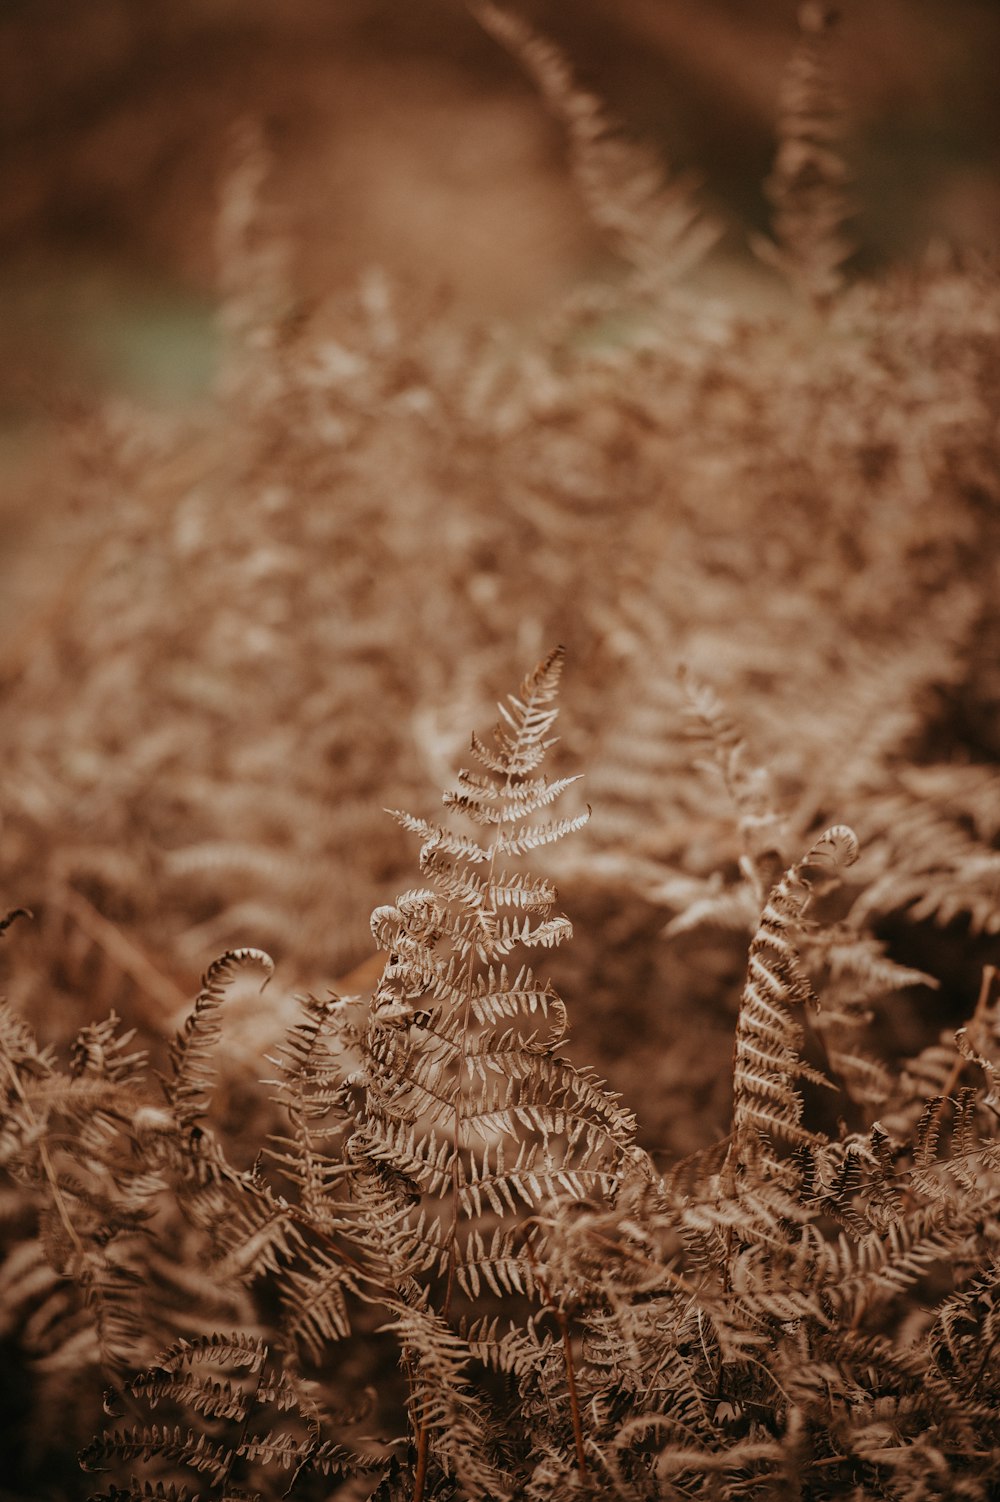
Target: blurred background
404 136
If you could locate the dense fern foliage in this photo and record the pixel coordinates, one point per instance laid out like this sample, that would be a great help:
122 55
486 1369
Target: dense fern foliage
395 1238
792 1311
288 596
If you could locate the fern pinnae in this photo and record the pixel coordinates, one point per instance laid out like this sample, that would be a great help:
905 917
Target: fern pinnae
653 221
189 1088
437 839
532 836
766 1103
487 803
496 1001
167 1443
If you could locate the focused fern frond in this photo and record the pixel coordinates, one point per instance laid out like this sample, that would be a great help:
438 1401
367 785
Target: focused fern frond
466 1104
469 1064
428 1135
766 1105
189 1088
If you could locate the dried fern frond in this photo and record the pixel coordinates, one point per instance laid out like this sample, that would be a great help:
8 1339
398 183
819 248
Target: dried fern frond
257 1420
761 826
656 224
766 1105
189 1088
808 180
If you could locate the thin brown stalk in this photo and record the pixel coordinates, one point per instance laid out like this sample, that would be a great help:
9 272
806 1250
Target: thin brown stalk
420 1470
574 1398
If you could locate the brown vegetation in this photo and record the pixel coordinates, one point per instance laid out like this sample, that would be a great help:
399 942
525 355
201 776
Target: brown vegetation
768 545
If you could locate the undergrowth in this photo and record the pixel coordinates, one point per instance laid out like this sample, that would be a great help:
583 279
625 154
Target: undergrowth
793 1311
435 1255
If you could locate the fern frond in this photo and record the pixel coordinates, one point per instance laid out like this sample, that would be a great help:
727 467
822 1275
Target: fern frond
808 180
766 1103
20 1047
238 1348
531 836
436 839
173 1444
442 1404
487 804
314 1297
496 996
521 737
529 1180
99 1050
870 1271
190 1086
656 224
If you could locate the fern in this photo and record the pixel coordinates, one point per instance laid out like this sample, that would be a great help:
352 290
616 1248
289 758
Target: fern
427 1196
654 223
807 182
563 1315
766 1107
234 1382
189 1090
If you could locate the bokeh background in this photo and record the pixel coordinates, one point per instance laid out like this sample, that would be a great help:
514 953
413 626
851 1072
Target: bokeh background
401 137
404 136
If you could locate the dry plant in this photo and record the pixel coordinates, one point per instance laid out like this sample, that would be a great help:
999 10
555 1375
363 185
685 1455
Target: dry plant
788 1313
290 610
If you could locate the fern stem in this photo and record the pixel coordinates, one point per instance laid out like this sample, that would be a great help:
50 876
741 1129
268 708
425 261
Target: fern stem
568 1362
470 978
420 1469
421 1434
574 1398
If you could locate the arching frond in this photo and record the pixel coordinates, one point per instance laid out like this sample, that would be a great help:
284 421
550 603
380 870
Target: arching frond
190 1086
656 224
